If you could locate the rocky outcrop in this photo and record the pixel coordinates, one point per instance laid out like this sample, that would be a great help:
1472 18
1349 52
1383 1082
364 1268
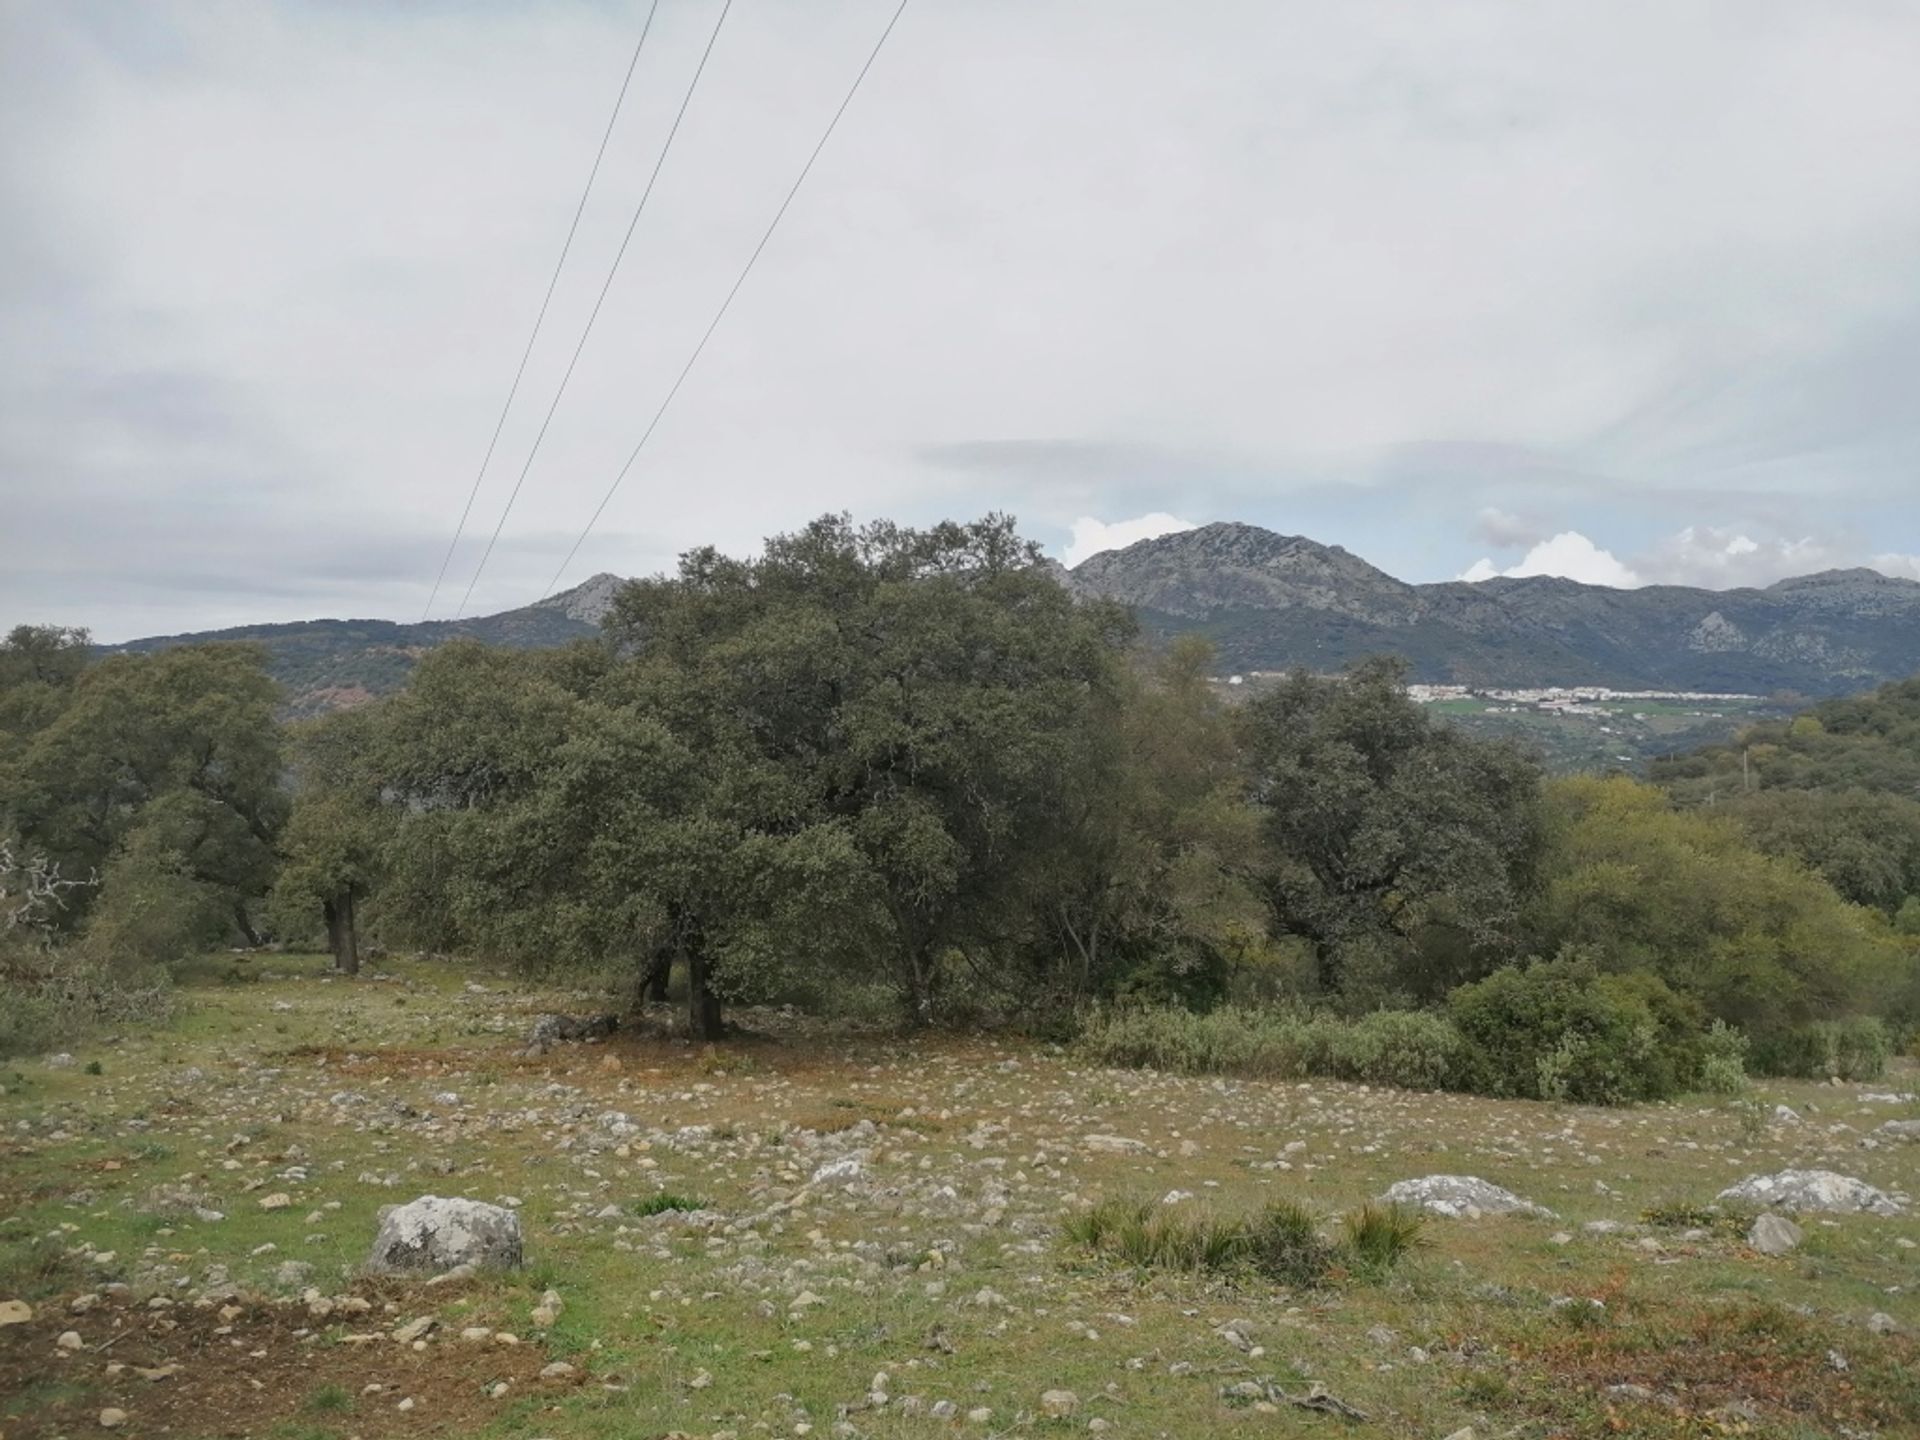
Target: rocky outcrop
435 1233
1466 1197
1799 1191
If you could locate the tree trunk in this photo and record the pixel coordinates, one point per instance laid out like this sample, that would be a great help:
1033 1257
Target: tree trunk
653 985
703 1006
251 935
343 934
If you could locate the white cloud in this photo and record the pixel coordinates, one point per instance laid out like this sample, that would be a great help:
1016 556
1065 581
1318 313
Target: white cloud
1091 536
1722 558
1569 555
1904 567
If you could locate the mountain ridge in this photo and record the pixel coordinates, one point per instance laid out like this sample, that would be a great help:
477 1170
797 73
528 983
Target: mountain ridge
1271 601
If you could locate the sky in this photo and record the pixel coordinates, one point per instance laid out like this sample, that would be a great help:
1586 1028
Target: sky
1624 290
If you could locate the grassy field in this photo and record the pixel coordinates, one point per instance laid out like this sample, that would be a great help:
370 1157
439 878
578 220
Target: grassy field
932 1293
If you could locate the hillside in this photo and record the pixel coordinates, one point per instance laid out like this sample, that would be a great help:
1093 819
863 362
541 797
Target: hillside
327 664
1269 602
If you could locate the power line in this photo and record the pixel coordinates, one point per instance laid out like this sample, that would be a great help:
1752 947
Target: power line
540 319
605 286
719 314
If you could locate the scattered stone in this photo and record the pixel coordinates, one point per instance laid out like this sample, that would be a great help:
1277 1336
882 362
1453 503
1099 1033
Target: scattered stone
1114 1145
557 1370
1058 1403
1900 1130
1774 1235
1881 1323
279 1200
112 1418
415 1330
1804 1190
548 1310
69 1340
15 1312
1785 1115
435 1233
1460 1197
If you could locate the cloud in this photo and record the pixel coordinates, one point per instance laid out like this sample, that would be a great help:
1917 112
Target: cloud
1289 263
1902 567
1570 555
1508 532
1091 536
1722 557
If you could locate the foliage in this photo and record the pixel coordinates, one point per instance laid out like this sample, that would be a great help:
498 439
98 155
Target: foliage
1281 1242
166 765
1413 1049
1856 1048
1761 942
1561 1030
1400 848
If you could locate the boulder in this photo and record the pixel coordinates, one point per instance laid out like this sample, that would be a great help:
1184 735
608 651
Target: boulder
551 1030
1114 1145
1798 1191
1900 1130
1774 1235
435 1233
1460 1196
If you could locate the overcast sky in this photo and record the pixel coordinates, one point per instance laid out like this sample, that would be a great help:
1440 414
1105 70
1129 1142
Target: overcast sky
1625 291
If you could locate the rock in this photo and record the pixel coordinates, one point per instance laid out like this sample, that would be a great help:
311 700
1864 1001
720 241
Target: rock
279 1200
415 1329
548 1310
435 1233
292 1274
557 1370
112 1418
1785 1115
1774 1235
1058 1403
15 1312
69 1340
1900 1130
1881 1323
1457 1196
838 1172
1803 1190
1114 1145
62 1061
551 1030
1465 1432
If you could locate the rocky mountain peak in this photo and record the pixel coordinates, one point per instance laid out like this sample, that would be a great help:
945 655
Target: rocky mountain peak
588 601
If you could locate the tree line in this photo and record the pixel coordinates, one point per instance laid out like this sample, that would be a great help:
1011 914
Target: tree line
884 761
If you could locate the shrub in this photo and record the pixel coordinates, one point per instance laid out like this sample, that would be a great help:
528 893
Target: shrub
1856 1048
63 997
1723 1060
1378 1237
1557 1030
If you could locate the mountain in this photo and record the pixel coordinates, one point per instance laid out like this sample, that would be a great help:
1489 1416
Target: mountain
328 664
1270 602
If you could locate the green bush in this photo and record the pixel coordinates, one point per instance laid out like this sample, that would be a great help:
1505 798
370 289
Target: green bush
1558 1030
1412 1049
1856 1048
61 998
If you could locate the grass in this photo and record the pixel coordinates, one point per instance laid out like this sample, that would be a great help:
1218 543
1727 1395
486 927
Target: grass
974 1151
1280 1242
665 1201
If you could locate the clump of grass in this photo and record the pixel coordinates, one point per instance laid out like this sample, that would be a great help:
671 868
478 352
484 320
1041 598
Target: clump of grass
663 1202
1281 1242
1686 1215
327 1398
1379 1237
